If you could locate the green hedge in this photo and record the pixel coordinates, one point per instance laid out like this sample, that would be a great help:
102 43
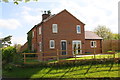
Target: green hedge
8 54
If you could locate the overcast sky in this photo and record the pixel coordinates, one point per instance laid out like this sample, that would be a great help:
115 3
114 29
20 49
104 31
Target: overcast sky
17 20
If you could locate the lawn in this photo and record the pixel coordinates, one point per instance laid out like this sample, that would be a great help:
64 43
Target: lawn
117 55
83 71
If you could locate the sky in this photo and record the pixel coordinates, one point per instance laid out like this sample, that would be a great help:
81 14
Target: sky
17 20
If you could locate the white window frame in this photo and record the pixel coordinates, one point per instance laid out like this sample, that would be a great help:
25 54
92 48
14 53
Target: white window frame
39 30
77 29
40 46
32 34
53 44
54 28
94 44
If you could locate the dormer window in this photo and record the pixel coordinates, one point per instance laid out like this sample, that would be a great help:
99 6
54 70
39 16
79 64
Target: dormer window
78 29
54 28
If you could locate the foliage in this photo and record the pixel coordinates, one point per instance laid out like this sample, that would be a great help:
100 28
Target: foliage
8 67
18 58
8 54
103 32
17 46
6 41
17 1
116 36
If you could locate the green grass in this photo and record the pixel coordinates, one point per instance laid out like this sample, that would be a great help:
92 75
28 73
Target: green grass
117 55
99 70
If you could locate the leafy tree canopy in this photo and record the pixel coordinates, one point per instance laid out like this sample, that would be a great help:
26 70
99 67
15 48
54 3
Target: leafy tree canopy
103 32
6 41
17 1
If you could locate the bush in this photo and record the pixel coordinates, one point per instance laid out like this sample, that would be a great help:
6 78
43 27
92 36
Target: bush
18 59
8 54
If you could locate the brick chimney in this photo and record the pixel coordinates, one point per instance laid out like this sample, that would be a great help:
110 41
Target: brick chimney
45 15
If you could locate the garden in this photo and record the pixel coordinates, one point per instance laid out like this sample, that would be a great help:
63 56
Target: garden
103 66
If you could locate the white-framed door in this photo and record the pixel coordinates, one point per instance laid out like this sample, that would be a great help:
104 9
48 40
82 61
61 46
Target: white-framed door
76 45
63 47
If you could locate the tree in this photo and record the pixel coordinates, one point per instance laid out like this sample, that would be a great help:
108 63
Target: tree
6 41
103 32
116 36
17 1
17 46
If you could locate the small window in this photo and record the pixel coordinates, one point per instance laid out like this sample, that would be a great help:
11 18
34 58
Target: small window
32 47
40 46
32 34
39 30
52 44
54 28
78 29
93 44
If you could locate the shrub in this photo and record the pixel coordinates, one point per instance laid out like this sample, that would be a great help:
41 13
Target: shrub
8 54
18 58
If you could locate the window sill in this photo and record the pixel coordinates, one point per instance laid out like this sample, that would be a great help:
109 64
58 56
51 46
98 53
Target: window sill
78 33
52 48
93 47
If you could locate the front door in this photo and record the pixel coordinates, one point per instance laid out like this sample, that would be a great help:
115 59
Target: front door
63 47
76 44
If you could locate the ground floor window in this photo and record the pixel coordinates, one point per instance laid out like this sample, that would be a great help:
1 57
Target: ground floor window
32 47
93 44
52 44
40 46
77 46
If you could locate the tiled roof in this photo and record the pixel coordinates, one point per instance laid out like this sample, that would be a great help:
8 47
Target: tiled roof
91 35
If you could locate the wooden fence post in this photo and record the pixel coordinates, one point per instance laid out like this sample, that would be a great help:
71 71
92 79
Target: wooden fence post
75 54
94 52
57 55
24 58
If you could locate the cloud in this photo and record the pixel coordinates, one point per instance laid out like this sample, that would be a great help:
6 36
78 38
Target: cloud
19 40
9 23
29 17
92 12
0 34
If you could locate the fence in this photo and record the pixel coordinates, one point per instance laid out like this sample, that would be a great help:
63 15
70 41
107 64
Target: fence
108 45
58 56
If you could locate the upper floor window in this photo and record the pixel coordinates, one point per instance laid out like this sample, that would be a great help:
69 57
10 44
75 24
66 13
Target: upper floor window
39 30
93 44
52 44
54 28
32 47
32 34
78 29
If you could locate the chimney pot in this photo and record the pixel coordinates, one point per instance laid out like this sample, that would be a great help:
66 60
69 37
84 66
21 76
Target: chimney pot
45 15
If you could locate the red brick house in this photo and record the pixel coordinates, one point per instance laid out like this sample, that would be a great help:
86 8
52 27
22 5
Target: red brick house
62 31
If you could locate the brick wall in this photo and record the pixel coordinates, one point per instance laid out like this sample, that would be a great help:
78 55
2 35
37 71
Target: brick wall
66 31
91 50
